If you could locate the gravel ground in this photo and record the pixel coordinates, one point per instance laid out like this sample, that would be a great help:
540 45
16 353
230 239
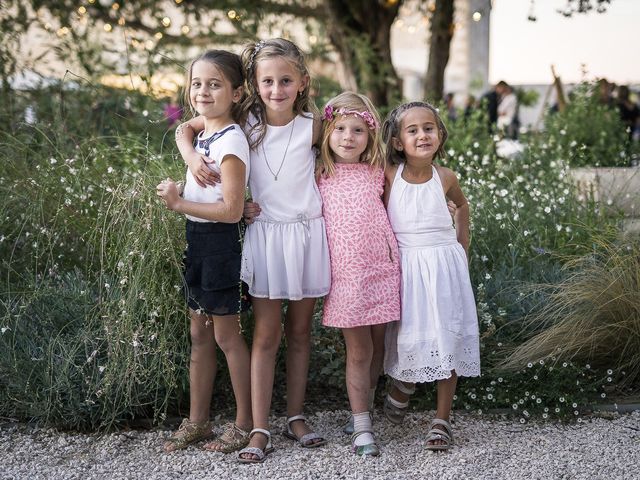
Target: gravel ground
487 447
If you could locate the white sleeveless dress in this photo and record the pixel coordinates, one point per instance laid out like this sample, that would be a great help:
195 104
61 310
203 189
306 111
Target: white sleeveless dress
285 253
438 331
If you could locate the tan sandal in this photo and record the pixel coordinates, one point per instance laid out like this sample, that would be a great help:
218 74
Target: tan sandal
188 433
233 438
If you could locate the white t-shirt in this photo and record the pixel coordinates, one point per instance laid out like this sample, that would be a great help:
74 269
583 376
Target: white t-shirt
229 140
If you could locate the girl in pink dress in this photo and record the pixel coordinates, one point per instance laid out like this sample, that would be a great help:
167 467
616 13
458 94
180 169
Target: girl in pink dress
365 272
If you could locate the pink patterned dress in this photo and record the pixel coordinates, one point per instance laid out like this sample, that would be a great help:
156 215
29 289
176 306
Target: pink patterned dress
365 269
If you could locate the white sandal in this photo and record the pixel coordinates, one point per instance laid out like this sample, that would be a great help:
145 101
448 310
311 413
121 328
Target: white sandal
443 434
258 452
306 440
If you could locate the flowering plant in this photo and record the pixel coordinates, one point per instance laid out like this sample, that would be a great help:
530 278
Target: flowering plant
330 113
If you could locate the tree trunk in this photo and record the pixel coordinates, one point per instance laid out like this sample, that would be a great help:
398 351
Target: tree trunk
360 31
441 34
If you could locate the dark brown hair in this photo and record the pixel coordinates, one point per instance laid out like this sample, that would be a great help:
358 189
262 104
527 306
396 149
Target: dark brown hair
230 65
391 129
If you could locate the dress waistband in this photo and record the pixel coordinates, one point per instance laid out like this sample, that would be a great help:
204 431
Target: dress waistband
302 218
434 238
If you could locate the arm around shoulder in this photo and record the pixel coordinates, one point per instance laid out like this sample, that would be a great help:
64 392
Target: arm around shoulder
454 193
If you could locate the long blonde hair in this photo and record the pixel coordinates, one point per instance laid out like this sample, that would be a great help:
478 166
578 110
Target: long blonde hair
251 56
373 154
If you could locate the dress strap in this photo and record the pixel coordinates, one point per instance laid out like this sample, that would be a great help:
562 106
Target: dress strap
398 172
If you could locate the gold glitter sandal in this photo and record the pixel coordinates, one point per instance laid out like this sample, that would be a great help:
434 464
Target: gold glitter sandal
188 433
233 438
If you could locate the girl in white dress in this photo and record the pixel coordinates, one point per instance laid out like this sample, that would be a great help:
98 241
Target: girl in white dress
437 337
285 252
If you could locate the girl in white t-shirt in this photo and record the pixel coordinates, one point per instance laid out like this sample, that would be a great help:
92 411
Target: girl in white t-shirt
213 256
285 253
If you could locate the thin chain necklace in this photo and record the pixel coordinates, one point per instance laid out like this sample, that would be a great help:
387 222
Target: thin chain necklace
275 175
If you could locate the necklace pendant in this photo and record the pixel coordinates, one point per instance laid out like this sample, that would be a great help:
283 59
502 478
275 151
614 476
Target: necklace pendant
276 178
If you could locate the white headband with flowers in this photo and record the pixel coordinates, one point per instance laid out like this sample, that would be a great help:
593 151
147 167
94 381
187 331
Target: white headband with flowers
330 114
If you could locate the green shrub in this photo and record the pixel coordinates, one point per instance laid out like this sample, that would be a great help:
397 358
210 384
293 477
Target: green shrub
94 330
587 133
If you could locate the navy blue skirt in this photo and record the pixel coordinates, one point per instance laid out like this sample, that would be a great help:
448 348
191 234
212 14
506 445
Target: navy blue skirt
212 268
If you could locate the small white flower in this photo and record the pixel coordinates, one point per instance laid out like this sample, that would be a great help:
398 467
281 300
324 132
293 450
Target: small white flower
53 161
4 329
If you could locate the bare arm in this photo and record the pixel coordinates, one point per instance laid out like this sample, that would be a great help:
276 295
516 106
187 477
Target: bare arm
461 215
389 175
229 210
197 163
317 131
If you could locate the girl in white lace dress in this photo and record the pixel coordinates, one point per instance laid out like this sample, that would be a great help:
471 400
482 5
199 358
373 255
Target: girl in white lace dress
437 337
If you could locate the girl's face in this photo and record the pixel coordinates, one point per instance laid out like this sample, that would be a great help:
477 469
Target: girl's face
210 93
278 84
419 136
349 139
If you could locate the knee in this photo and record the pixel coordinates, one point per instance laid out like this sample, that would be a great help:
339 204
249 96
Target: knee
201 336
229 342
299 337
266 344
359 356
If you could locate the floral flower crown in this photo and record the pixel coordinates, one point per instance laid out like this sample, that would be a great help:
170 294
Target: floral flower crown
330 114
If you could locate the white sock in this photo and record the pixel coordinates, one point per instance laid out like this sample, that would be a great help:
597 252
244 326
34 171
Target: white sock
372 396
362 422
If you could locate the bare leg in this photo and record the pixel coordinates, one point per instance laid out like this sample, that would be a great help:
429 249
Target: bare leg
359 346
232 342
202 367
298 332
266 340
202 370
377 336
446 390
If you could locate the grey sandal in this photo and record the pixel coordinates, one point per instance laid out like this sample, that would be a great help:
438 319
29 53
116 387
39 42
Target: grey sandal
443 434
395 414
258 452
306 440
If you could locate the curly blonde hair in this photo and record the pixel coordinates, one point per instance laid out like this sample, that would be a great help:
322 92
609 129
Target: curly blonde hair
253 104
373 154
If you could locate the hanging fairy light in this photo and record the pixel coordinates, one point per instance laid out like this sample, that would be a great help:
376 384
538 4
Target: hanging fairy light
107 27
532 14
232 14
185 29
121 21
158 35
477 16
82 10
166 21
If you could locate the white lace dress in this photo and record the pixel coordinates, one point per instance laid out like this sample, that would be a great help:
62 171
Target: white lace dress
285 253
438 331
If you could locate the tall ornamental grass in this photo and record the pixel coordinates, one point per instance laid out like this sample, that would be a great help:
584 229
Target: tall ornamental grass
592 315
94 327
